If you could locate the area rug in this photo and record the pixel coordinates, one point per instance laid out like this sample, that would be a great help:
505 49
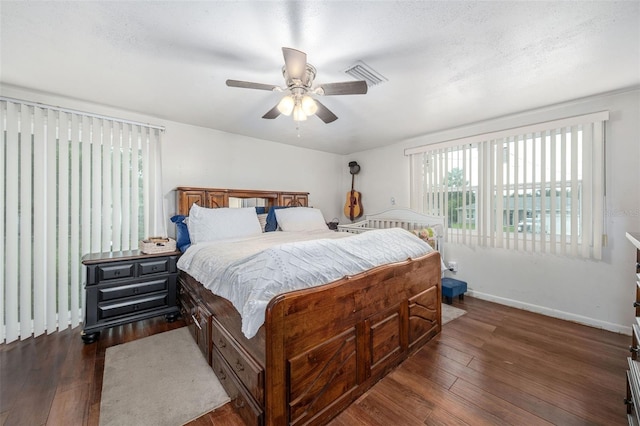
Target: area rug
159 380
449 313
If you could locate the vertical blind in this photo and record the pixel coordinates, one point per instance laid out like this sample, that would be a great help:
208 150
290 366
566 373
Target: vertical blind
74 183
538 188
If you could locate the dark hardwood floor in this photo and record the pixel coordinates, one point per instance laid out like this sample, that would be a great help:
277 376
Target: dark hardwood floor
495 365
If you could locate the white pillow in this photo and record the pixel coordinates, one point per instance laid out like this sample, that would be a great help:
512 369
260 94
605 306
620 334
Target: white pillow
300 219
223 223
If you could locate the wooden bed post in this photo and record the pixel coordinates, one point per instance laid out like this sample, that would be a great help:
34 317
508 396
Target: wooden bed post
275 371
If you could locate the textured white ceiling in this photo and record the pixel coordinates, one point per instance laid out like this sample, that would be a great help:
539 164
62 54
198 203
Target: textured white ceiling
448 63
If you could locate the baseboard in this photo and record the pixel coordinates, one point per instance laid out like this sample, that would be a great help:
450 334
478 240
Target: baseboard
616 328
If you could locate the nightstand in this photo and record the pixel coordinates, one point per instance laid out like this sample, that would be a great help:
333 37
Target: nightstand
127 286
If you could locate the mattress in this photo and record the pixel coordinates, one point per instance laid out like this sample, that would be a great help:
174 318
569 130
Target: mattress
250 271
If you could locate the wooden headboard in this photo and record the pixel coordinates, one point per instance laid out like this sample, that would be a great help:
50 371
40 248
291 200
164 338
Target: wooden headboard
217 197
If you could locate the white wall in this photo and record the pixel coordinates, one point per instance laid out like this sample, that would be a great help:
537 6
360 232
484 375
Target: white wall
598 293
197 156
595 293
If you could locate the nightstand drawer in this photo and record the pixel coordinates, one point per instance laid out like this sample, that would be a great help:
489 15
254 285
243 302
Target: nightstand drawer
153 267
135 289
115 272
131 306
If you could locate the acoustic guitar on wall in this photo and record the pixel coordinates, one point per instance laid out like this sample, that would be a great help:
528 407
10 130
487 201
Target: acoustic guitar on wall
353 206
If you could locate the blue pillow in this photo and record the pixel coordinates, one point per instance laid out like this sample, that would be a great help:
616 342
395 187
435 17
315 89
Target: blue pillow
261 210
272 223
182 233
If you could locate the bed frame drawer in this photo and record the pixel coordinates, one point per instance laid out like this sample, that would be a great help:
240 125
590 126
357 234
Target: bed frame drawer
198 320
242 402
245 368
203 331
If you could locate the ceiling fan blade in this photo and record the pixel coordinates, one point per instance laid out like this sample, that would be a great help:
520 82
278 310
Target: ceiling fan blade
295 63
250 85
325 114
272 113
345 88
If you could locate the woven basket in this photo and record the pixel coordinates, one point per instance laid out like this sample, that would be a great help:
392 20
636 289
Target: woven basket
157 245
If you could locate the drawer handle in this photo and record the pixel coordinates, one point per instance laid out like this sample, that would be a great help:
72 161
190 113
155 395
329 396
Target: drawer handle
221 374
196 322
239 403
239 366
634 349
636 304
628 401
221 343
116 273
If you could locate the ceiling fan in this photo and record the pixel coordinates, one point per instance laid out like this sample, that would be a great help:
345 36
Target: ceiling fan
299 76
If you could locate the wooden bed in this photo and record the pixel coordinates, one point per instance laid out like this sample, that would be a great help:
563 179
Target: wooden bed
320 348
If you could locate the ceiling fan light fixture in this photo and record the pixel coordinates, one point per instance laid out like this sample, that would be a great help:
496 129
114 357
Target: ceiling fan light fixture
299 98
298 113
309 105
286 105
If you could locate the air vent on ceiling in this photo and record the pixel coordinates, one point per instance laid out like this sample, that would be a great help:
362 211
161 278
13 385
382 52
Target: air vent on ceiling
362 71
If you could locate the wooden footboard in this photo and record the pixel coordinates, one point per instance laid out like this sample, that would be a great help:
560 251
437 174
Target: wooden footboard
320 348
328 345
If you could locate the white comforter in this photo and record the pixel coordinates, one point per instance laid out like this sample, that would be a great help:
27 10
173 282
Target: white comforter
251 271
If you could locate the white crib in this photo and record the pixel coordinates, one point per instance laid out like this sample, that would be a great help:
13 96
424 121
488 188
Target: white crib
400 218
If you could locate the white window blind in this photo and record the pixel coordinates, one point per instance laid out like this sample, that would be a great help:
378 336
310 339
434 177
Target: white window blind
538 188
73 183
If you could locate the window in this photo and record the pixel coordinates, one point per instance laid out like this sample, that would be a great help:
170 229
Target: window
538 188
74 183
